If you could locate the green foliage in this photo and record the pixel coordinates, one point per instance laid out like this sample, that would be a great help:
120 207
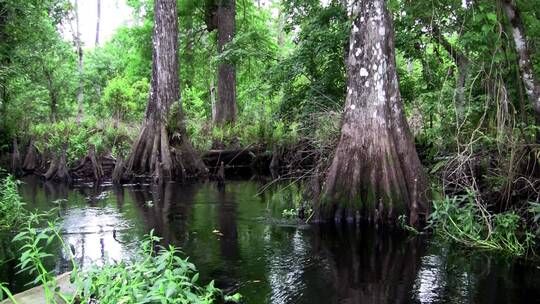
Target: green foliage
33 255
403 223
463 220
289 213
12 212
105 136
118 97
154 276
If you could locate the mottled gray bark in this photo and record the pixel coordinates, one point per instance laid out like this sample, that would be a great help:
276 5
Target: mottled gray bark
530 81
376 173
98 21
153 153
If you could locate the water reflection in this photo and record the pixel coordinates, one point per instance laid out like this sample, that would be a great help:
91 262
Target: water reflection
235 235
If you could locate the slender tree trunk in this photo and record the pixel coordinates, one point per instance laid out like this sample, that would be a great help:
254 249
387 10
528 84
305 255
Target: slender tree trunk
53 99
532 86
462 63
189 50
98 20
376 173
16 166
78 43
226 105
31 158
152 152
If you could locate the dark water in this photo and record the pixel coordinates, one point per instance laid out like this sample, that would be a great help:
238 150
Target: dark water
236 236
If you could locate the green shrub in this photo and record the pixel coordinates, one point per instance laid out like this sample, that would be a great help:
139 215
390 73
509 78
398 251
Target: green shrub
464 220
155 274
12 212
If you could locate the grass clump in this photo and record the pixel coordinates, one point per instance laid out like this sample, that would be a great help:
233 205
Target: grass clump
466 221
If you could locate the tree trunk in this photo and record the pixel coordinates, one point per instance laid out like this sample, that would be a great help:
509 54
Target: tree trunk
58 169
16 166
118 172
30 160
53 97
376 173
226 105
462 63
78 44
97 169
151 153
98 20
532 86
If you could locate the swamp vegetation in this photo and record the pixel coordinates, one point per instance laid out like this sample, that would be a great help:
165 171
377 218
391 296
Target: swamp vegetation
420 118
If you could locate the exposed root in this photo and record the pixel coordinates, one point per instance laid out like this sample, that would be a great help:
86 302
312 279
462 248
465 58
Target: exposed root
31 159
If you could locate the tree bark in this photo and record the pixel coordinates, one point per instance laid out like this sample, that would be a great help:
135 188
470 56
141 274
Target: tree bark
78 44
53 96
16 166
462 63
532 86
98 20
58 169
376 173
152 152
30 160
226 105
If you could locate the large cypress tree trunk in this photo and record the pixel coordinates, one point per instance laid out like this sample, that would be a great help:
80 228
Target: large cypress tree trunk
376 173
226 24
152 152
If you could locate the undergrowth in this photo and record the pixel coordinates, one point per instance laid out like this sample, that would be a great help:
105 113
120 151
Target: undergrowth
466 221
12 212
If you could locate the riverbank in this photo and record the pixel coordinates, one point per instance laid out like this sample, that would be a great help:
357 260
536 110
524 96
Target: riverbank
228 233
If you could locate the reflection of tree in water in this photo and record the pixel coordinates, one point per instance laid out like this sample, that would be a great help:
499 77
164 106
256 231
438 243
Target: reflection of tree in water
119 194
227 224
165 208
369 266
452 275
55 191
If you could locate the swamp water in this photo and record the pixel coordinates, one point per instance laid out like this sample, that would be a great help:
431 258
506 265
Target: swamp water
236 236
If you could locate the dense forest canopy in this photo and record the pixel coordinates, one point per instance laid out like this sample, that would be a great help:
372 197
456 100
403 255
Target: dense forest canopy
279 75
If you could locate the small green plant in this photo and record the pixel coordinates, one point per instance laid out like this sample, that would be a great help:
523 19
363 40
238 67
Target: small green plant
33 255
290 213
403 224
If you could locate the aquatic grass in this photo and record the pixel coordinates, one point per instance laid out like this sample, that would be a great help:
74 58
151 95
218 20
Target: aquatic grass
463 220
